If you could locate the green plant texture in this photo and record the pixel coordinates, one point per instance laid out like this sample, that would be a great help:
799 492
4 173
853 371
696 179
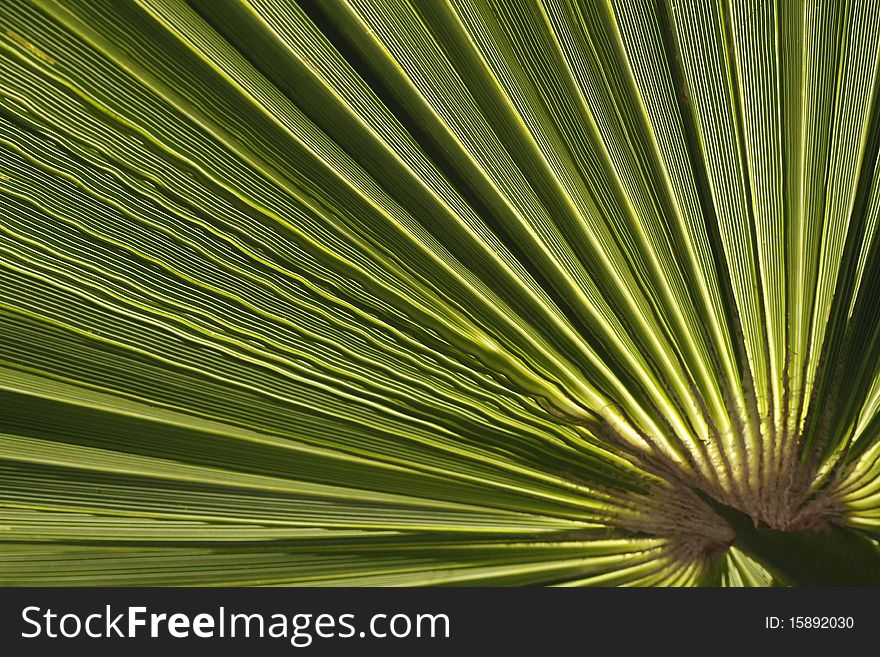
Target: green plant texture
439 292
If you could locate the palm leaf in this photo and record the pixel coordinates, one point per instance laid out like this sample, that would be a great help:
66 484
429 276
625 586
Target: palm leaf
376 292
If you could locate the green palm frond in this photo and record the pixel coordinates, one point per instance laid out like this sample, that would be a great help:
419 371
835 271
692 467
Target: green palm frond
378 292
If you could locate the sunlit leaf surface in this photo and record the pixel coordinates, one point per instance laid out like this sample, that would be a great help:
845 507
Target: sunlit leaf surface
376 292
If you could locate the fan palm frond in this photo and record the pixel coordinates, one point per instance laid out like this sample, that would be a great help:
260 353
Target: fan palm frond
459 292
